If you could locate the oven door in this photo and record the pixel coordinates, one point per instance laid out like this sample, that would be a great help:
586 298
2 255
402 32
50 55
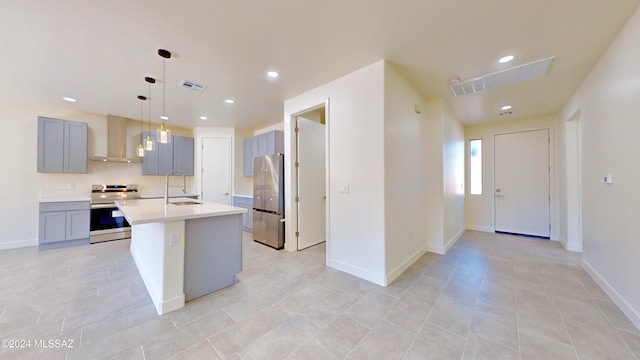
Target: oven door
108 223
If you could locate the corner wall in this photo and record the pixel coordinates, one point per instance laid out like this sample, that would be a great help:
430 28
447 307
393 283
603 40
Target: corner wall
443 171
403 181
355 143
607 102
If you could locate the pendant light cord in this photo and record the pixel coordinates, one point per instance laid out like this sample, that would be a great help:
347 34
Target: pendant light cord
149 114
164 86
141 135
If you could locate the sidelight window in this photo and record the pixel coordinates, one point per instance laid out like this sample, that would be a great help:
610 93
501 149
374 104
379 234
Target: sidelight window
475 166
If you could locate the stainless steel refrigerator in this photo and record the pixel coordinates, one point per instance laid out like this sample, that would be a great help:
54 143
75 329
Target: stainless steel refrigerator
268 200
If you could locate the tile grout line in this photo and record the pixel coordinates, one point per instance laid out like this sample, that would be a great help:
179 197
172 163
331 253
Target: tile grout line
515 297
433 307
609 321
214 347
564 323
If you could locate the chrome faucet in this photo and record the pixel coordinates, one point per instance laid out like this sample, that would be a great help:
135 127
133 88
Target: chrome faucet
166 189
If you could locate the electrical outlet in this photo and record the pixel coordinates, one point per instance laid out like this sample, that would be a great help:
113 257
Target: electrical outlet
343 189
174 240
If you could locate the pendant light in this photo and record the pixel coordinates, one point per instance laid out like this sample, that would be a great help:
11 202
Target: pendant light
164 134
149 144
141 150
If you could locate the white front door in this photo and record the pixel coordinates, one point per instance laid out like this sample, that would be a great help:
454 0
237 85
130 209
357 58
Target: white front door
522 191
311 183
216 170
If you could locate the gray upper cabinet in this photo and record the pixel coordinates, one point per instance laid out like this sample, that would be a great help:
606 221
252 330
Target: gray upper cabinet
183 154
250 151
62 146
271 142
177 155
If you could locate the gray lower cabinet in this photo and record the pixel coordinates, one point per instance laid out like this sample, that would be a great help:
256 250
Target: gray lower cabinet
62 146
64 223
247 218
271 142
177 155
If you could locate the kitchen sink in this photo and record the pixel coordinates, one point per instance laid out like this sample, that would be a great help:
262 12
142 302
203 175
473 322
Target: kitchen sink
186 202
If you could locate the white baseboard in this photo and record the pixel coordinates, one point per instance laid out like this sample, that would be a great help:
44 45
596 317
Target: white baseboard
479 228
357 271
626 308
570 247
18 244
453 240
436 249
442 249
395 273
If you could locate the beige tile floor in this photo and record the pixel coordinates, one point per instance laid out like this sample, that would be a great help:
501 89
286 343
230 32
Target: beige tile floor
491 297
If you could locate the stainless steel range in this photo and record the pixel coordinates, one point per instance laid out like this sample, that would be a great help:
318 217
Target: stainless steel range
107 222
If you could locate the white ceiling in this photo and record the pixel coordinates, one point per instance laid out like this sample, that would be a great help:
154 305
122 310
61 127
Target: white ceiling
100 51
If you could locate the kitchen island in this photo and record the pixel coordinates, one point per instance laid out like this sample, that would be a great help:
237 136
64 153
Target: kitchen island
184 249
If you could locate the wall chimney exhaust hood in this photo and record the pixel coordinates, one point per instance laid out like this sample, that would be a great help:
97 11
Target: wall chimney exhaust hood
116 141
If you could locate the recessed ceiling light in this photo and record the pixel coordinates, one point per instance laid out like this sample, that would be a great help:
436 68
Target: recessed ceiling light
69 99
506 107
273 74
203 118
229 101
163 117
505 59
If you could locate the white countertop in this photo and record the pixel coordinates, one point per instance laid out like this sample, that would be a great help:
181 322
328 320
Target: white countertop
243 196
145 211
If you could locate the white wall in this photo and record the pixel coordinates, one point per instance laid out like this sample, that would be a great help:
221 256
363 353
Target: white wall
453 178
433 161
355 142
21 185
479 211
403 182
443 162
609 108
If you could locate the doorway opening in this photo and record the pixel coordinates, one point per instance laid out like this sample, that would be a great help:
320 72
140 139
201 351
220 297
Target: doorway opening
311 176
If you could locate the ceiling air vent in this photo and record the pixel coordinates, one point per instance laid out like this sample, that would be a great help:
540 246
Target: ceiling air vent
530 71
191 86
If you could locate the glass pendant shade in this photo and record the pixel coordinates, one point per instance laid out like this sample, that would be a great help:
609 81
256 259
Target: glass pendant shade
148 144
141 150
164 134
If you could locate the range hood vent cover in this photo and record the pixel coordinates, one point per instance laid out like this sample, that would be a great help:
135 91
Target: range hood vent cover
116 141
514 75
192 86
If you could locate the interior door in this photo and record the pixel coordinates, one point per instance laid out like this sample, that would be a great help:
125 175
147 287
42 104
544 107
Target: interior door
216 170
522 185
311 183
